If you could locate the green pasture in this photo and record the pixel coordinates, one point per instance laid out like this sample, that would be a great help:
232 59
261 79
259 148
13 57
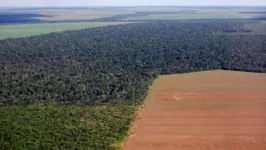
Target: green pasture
26 30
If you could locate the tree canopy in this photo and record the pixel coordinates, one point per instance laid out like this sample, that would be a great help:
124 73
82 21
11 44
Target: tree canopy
118 63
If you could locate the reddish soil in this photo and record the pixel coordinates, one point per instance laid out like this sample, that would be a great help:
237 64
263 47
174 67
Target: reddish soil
212 110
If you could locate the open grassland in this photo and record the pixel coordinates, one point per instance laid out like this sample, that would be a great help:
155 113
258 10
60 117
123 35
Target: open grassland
222 110
201 13
14 29
187 16
25 30
64 127
58 14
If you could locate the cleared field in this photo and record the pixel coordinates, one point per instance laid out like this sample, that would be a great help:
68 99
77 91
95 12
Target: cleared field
189 16
25 30
222 110
203 13
79 15
71 14
98 12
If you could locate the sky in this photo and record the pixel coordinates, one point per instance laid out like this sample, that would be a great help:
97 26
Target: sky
42 3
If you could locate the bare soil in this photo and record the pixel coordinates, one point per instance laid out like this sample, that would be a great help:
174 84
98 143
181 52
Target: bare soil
210 110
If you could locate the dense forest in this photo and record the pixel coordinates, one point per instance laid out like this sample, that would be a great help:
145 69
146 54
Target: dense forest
47 127
118 63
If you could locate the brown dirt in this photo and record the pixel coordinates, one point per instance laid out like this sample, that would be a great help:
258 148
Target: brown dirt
76 15
212 110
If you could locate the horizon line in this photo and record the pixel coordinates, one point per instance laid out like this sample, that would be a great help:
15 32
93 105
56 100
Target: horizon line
134 6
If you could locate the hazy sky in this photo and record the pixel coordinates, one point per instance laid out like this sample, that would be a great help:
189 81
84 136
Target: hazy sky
16 3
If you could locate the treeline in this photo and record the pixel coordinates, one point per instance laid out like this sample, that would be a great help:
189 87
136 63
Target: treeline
9 18
118 63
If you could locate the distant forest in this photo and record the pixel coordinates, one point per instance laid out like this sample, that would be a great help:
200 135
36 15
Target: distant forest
118 63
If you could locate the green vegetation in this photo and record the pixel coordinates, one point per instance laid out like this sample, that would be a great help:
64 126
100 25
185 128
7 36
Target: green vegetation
48 20
45 127
109 64
25 30
259 27
79 89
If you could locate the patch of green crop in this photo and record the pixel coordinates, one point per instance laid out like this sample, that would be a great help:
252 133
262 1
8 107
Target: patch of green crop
26 30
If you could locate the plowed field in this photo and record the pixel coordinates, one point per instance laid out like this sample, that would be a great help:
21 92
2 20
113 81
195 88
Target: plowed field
212 110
